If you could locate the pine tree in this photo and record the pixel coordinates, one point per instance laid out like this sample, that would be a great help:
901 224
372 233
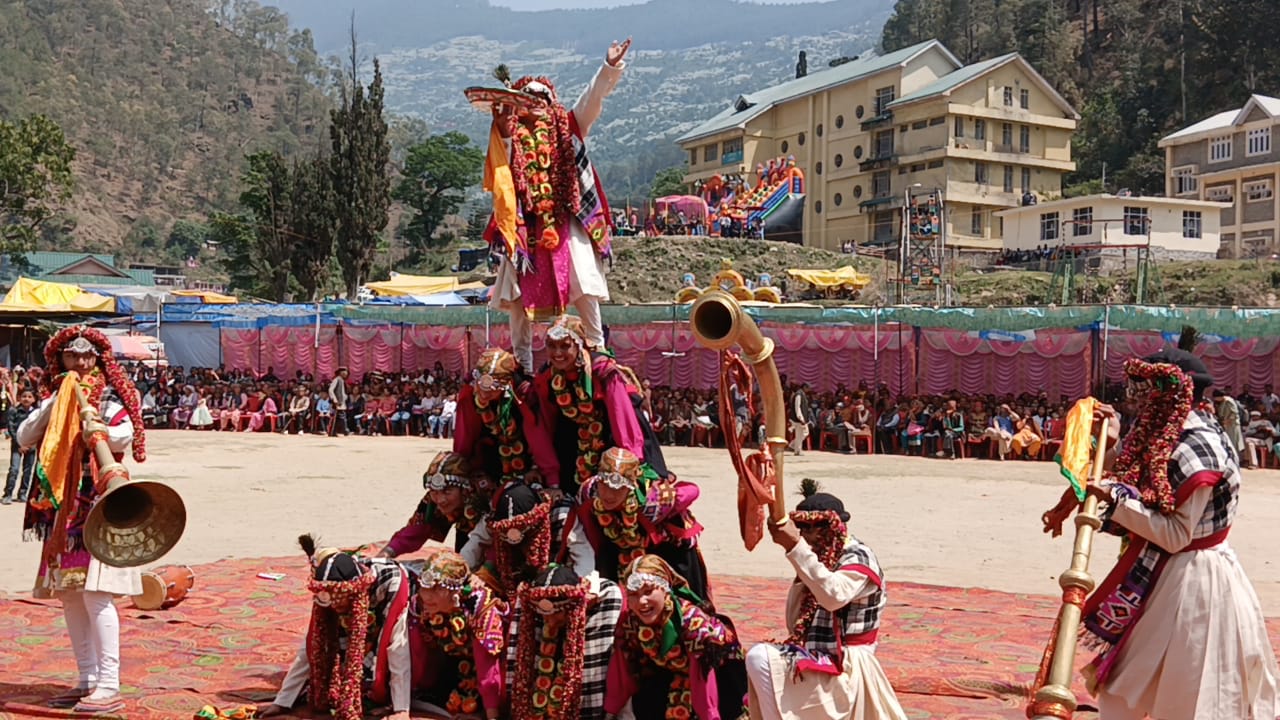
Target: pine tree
314 223
362 186
268 195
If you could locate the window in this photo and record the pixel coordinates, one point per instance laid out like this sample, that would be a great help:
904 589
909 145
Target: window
935 164
919 124
1006 135
817 207
1049 226
981 174
1184 181
711 152
883 144
731 152
839 121
1008 96
1135 221
1220 149
857 152
1026 180
839 159
1220 193
937 121
979 129
1008 178
838 199
975 223
918 167
884 96
959 127
1024 139
859 112
902 170
1257 191
785 147
1024 98
818 168
1191 224
857 191
1082 222
880 184
800 139
818 131
693 156
1258 142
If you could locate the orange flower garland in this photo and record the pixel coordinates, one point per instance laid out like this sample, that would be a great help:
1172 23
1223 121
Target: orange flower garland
512 451
622 528
1144 460
676 660
452 634
577 405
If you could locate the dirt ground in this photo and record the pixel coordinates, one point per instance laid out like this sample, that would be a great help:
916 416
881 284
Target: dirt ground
965 523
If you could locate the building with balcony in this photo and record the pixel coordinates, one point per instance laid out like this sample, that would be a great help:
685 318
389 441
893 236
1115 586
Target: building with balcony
868 131
1232 158
1173 228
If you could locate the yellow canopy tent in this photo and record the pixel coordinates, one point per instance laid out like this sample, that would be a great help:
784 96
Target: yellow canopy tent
845 277
401 284
29 295
208 297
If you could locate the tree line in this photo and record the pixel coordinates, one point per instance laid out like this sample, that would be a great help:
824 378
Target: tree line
1136 70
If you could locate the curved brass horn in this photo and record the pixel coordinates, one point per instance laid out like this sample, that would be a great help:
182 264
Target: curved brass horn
718 322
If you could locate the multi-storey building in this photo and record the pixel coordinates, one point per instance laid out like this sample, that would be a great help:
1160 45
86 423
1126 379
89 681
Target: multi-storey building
1232 157
869 131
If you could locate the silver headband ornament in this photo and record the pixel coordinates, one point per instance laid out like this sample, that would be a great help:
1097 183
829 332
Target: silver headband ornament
616 481
441 481
637 581
80 346
560 332
432 578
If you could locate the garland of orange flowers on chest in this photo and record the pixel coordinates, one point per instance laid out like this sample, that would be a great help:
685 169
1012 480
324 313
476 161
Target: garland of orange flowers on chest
544 170
499 418
576 404
548 674
648 640
622 527
451 633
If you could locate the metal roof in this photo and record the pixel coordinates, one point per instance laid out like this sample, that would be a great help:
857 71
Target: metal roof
751 105
953 80
1226 119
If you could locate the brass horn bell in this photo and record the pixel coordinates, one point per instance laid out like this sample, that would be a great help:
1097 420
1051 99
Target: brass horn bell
135 522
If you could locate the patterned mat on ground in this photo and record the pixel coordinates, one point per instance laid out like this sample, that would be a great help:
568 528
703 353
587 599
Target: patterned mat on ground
950 652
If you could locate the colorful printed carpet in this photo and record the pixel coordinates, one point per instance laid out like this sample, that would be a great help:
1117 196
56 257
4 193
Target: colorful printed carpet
950 652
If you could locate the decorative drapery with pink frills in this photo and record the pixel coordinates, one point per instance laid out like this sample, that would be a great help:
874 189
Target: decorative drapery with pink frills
1240 363
284 350
1054 361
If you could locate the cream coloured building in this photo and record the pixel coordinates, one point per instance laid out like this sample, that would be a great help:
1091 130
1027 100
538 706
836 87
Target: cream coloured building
1175 228
869 131
1234 158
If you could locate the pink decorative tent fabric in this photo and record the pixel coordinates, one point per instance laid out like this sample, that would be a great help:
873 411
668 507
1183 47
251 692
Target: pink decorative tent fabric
1056 362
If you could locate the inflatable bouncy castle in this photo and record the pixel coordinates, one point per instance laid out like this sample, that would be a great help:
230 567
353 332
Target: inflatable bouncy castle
772 208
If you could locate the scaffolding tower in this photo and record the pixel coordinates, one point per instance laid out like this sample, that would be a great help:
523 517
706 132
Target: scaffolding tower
1086 259
921 252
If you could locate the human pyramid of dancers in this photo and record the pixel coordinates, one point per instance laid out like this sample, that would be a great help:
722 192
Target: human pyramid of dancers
576 588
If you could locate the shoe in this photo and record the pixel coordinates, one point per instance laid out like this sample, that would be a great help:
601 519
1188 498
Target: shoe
67 699
101 707
6 500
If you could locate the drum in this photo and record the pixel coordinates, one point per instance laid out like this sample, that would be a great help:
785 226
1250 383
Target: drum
164 587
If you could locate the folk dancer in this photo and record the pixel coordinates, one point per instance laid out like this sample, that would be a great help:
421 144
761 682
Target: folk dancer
551 223
627 511
359 624
562 629
589 403
66 487
827 667
496 429
673 657
521 534
458 631
1178 626
455 499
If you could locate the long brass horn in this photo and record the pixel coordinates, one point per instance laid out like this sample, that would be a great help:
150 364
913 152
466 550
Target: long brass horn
134 522
1053 697
718 323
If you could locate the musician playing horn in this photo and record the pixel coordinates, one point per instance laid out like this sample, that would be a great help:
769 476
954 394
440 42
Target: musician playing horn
66 487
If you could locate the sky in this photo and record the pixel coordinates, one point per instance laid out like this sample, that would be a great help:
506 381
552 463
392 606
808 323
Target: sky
556 4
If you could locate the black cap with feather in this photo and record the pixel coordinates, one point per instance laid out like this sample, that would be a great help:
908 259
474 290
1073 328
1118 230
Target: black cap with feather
1183 357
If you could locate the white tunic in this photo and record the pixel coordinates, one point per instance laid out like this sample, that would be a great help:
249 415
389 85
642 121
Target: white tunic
586 271
1200 650
98 577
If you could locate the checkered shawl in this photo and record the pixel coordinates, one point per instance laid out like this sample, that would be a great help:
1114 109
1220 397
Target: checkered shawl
602 618
560 513
1203 447
386 583
858 617
593 212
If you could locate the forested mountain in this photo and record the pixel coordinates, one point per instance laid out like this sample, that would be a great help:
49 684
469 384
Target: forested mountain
162 101
1135 69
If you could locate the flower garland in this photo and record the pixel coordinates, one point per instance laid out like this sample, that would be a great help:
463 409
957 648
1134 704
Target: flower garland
622 527
336 678
512 451
1144 460
828 551
125 389
578 405
675 659
549 668
530 552
544 167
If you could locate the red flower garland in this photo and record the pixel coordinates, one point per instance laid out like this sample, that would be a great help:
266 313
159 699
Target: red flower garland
125 390
533 550
828 551
622 528
336 681
649 641
1144 460
544 167
578 406
512 451
548 672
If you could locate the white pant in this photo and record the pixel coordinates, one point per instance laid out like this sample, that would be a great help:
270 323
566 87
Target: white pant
94 627
761 679
588 307
1112 707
